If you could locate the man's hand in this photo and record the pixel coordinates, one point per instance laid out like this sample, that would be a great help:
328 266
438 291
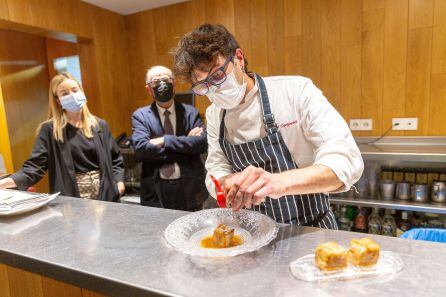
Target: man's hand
197 131
157 141
251 186
121 188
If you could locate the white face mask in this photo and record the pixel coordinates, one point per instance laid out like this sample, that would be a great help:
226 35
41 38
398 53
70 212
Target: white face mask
229 94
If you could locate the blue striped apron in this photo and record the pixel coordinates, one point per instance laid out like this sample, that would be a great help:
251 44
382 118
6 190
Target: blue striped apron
271 154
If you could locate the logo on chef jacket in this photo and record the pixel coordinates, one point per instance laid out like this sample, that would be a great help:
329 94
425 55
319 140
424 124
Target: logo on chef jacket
287 125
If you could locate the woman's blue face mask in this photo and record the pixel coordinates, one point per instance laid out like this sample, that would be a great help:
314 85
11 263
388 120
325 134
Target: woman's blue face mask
73 101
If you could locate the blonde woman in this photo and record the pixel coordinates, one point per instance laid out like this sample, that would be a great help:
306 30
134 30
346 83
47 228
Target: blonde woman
75 147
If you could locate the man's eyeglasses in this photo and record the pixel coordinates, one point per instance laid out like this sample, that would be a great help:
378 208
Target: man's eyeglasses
216 78
156 82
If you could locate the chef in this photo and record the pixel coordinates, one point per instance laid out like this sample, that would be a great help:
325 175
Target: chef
276 144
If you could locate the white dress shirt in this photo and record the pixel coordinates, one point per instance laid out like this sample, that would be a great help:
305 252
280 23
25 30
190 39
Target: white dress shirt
313 131
173 119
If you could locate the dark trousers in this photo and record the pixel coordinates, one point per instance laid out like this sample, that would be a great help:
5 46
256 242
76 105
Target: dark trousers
171 195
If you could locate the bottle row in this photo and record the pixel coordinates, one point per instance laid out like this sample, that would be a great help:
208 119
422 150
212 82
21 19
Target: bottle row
387 222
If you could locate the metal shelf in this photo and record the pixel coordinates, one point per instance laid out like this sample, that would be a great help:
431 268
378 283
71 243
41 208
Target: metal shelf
394 204
416 149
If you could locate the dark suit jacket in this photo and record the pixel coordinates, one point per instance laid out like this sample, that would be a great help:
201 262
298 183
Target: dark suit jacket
180 148
55 156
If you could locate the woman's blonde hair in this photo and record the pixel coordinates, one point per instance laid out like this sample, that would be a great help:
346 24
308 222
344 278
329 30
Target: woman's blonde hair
58 116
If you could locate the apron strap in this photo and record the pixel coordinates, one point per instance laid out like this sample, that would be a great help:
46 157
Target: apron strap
268 116
222 126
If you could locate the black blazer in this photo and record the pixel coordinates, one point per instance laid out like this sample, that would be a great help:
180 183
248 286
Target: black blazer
55 156
179 148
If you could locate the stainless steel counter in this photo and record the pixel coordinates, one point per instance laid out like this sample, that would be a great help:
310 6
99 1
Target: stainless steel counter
119 250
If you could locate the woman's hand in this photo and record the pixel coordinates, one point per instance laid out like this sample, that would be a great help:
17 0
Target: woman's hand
7 183
121 188
251 186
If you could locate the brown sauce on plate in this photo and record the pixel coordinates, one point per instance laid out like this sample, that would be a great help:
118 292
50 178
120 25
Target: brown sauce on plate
208 243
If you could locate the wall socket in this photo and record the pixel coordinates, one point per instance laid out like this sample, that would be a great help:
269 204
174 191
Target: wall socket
404 123
361 124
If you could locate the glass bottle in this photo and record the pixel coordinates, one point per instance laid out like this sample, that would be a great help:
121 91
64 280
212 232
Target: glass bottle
344 222
389 224
375 222
361 221
404 225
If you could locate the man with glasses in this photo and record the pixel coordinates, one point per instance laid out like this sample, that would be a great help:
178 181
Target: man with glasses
276 144
168 138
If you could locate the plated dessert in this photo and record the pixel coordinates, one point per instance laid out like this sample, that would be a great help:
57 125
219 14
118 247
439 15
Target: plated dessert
363 252
223 237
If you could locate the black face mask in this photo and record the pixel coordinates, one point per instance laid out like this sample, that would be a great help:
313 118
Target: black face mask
163 92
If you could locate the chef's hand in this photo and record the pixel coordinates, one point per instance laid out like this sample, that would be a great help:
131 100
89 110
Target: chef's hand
157 141
251 186
121 188
197 131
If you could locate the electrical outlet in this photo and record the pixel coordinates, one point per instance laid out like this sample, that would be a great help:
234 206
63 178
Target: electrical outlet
404 123
361 124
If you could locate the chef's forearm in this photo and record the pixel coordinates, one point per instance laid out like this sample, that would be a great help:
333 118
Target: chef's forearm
313 179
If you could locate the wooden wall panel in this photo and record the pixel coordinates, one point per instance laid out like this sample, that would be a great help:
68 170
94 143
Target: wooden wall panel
372 4
331 51
368 56
24 79
104 35
439 38
437 111
421 13
419 60
418 77
54 288
113 70
5 145
259 37
292 50
4 283
395 46
372 67
276 44
15 282
4 13
351 45
142 53
242 27
220 12
23 283
311 38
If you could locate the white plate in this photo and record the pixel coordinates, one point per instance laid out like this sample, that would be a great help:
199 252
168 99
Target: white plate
27 207
305 269
185 233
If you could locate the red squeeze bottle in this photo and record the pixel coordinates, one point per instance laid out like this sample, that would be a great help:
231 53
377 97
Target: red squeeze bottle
221 199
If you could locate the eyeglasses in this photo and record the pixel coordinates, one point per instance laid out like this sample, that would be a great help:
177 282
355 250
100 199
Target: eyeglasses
157 81
216 78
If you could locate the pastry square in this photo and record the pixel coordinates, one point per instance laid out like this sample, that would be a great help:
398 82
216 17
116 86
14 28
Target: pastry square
223 236
363 252
331 256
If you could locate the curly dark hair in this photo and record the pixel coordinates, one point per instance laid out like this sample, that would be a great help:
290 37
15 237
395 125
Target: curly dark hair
200 47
